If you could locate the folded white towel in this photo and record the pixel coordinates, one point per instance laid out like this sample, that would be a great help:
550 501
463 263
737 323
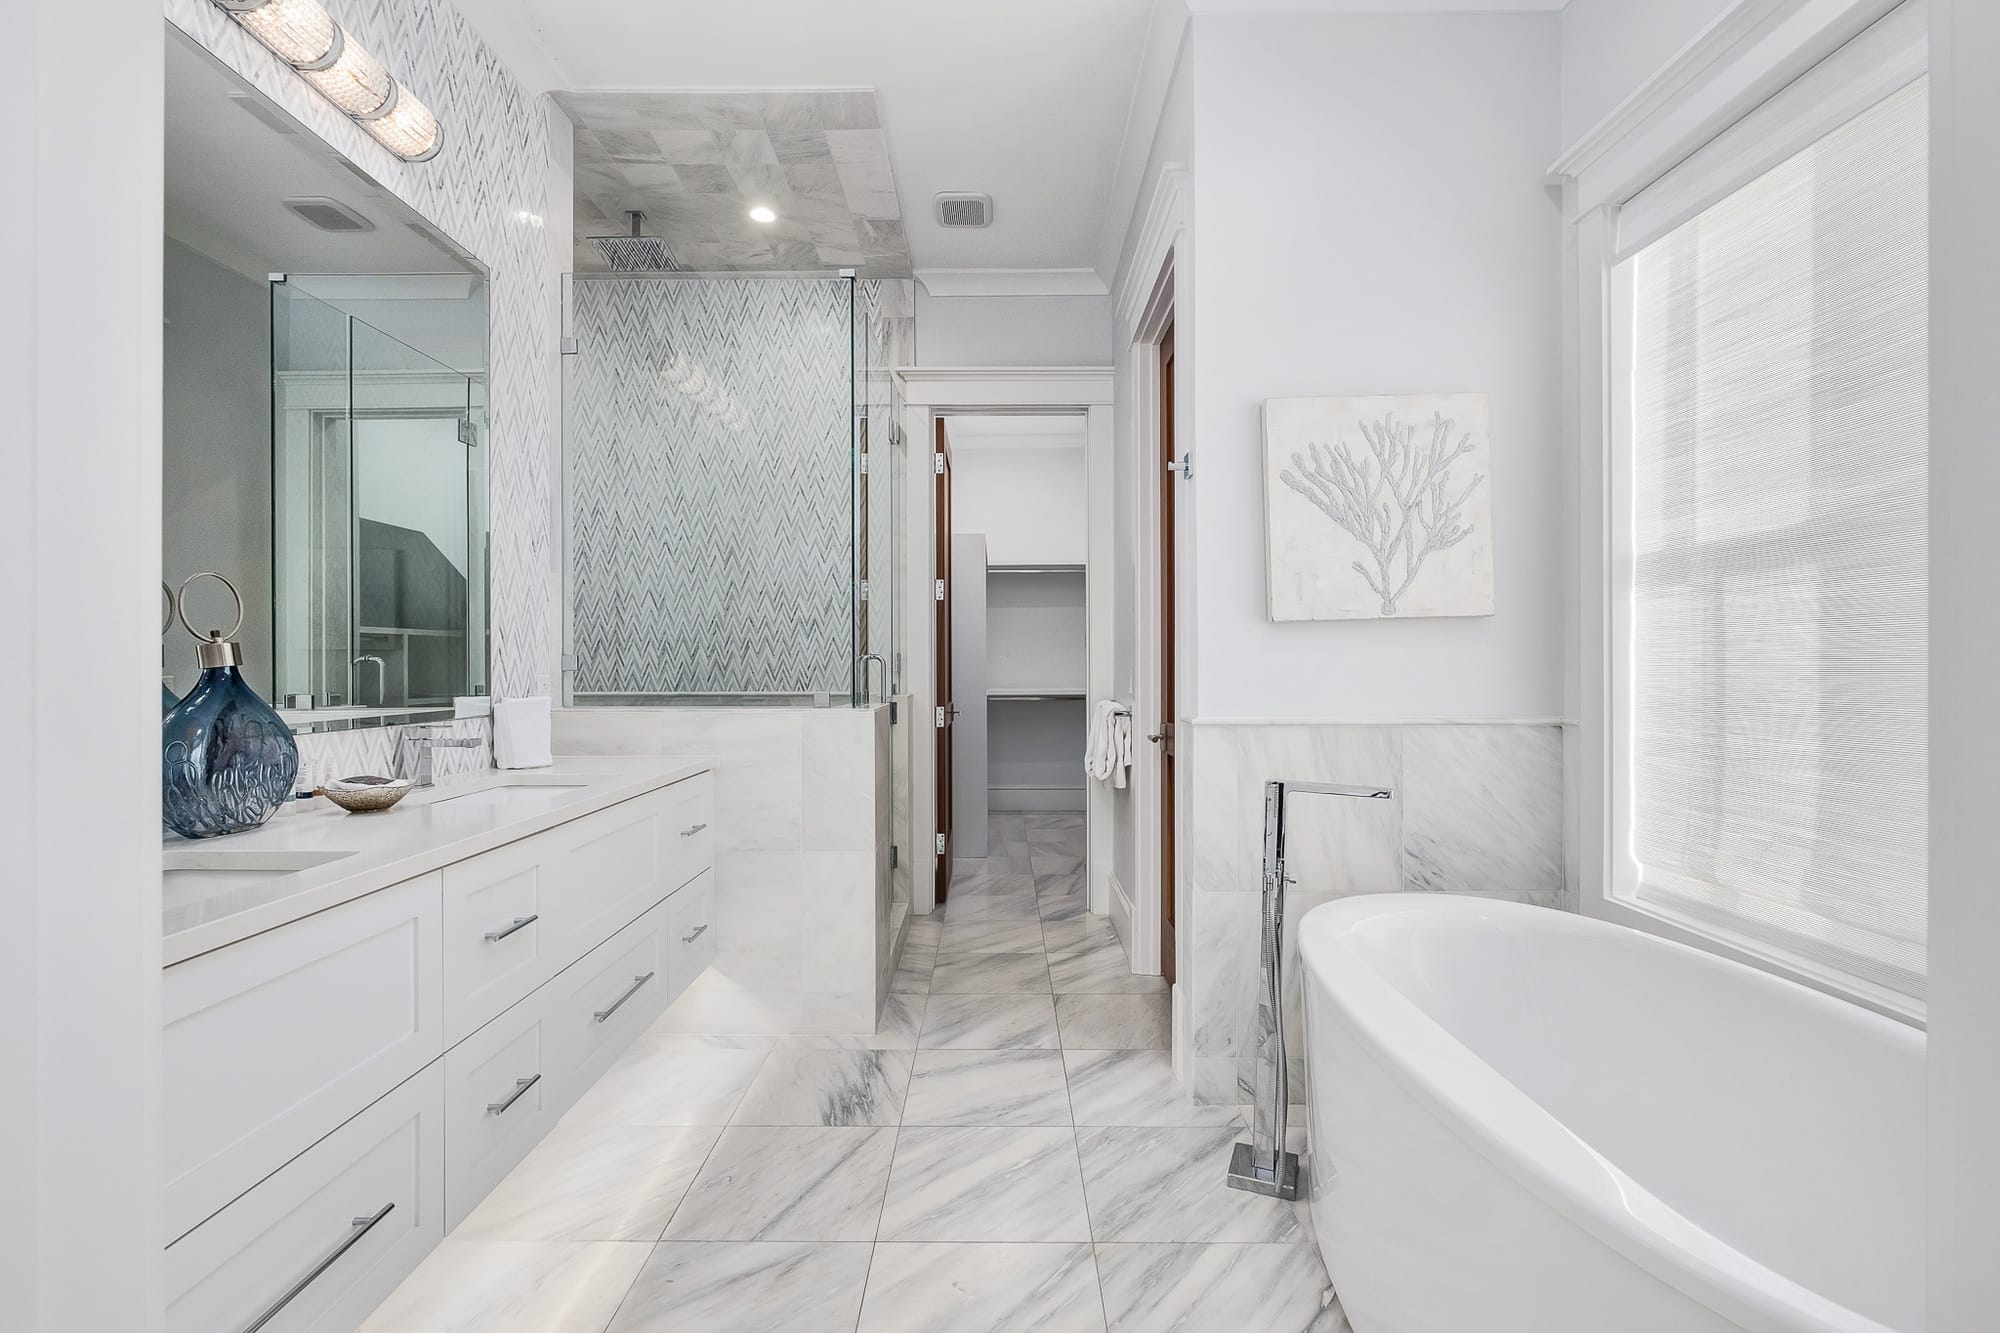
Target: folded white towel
521 732
1107 754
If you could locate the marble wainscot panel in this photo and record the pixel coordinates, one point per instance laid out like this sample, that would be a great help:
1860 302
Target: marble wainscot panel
1478 809
802 879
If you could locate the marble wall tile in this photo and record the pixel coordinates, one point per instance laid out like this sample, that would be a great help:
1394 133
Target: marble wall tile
1483 809
839 922
839 793
985 1184
1225 930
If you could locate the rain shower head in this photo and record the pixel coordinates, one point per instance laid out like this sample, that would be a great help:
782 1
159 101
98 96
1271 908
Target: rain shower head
636 253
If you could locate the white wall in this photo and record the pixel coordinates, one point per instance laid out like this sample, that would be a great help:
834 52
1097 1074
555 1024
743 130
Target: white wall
1964 1151
1028 502
1013 330
1372 218
1610 47
80 310
217 445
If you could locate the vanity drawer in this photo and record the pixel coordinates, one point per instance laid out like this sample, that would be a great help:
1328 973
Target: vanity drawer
690 829
499 1101
500 927
306 1232
273 1042
613 869
606 1000
691 930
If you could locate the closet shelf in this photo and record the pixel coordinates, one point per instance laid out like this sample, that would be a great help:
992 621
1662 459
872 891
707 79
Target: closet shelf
1034 569
1023 694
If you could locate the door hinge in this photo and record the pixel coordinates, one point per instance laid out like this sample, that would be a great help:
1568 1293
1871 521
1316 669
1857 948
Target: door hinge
937 463
940 717
568 346
864 464
937 592
864 590
940 844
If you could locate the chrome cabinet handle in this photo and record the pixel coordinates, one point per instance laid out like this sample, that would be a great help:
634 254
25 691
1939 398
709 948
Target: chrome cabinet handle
519 922
361 1227
619 1003
698 931
521 1086
690 832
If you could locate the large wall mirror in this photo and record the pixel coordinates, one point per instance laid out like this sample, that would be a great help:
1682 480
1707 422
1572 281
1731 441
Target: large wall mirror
325 416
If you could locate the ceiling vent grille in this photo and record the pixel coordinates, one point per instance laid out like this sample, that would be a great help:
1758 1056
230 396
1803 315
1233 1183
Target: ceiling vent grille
965 210
329 214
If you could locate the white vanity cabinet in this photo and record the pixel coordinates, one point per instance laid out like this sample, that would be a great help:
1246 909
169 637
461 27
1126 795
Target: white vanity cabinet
412 1043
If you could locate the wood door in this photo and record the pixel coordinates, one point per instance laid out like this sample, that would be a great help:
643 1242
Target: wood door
1169 705
947 708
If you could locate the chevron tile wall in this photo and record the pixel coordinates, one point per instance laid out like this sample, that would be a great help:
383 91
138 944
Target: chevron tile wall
710 488
488 190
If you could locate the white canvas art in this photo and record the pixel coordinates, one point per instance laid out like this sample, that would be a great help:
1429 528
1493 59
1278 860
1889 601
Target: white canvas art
1378 507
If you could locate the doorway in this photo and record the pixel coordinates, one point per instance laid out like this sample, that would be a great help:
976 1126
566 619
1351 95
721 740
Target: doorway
1169 705
947 707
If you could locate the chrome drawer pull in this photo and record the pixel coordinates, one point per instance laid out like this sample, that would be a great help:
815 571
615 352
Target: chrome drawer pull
362 1226
617 1004
519 922
690 832
521 1086
698 932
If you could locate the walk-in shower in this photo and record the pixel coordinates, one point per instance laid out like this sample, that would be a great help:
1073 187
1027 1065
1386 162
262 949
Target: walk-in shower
731 471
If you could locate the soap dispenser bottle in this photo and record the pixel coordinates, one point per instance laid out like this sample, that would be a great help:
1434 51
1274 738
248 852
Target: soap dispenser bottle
227 758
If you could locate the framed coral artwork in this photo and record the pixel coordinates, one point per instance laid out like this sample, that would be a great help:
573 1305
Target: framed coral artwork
1378 507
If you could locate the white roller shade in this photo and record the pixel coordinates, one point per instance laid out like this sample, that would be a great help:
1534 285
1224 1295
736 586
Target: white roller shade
1771 591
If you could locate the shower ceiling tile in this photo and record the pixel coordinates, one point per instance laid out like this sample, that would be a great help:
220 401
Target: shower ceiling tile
695 163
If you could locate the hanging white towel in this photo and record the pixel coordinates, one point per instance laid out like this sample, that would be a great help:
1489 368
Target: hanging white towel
521 732
1108 751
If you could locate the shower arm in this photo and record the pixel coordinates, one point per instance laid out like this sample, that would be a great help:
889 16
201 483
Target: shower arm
1262 1165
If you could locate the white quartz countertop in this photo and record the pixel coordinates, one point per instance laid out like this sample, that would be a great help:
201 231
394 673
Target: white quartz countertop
216 891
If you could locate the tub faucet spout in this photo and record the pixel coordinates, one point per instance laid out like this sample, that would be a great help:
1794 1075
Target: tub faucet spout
1262 1165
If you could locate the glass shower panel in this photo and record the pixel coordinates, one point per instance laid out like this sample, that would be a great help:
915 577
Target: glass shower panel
711 482
312 500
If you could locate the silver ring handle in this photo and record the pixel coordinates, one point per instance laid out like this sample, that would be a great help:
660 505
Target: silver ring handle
361 1227
180 604
619 1003
167 596
521 1086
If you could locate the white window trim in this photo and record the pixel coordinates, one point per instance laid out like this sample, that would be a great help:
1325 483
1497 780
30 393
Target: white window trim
1749 54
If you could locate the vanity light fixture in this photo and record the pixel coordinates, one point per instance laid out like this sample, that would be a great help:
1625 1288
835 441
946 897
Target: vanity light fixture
763 213
303 35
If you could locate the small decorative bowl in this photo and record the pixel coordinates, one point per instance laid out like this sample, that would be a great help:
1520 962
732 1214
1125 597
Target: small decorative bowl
362 796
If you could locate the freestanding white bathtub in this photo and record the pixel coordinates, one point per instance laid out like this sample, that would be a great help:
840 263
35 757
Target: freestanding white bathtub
1525 1121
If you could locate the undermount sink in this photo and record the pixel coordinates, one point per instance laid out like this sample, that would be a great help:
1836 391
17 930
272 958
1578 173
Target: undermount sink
509 791
204 869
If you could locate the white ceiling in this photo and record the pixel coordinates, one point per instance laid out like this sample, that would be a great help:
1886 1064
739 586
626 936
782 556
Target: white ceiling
227 173
1025 100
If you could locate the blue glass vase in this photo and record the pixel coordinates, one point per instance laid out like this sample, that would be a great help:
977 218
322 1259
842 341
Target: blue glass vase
167 698
228 760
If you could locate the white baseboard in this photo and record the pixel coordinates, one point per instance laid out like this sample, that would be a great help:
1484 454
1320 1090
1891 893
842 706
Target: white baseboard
1121 914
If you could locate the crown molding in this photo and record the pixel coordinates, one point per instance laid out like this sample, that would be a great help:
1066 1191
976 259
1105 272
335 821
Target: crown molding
1011 281
1159 232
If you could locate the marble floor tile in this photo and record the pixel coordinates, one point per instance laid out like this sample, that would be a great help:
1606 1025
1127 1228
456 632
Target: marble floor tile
1100 970
991 974
985 880
779 1183
1065 883
594 1182
1049 862
913 975
1186 1288
659 1083
509 1286
982 1289
1135 1088
1006 905
1045 820
746 1287
1062 906
990 1023
809 1087
1009 936
1115 1022
980 1087
985 1184
1076 933
1171 1185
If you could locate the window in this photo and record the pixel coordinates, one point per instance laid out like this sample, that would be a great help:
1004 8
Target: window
1768 531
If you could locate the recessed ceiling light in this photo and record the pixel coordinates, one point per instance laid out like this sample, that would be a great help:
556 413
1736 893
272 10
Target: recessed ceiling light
761 213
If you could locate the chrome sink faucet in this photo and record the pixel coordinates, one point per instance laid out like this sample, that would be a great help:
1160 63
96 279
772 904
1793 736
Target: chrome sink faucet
427 743
381 678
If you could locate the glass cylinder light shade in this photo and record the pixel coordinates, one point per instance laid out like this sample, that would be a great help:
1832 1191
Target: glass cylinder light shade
357 83
299 32
409 130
